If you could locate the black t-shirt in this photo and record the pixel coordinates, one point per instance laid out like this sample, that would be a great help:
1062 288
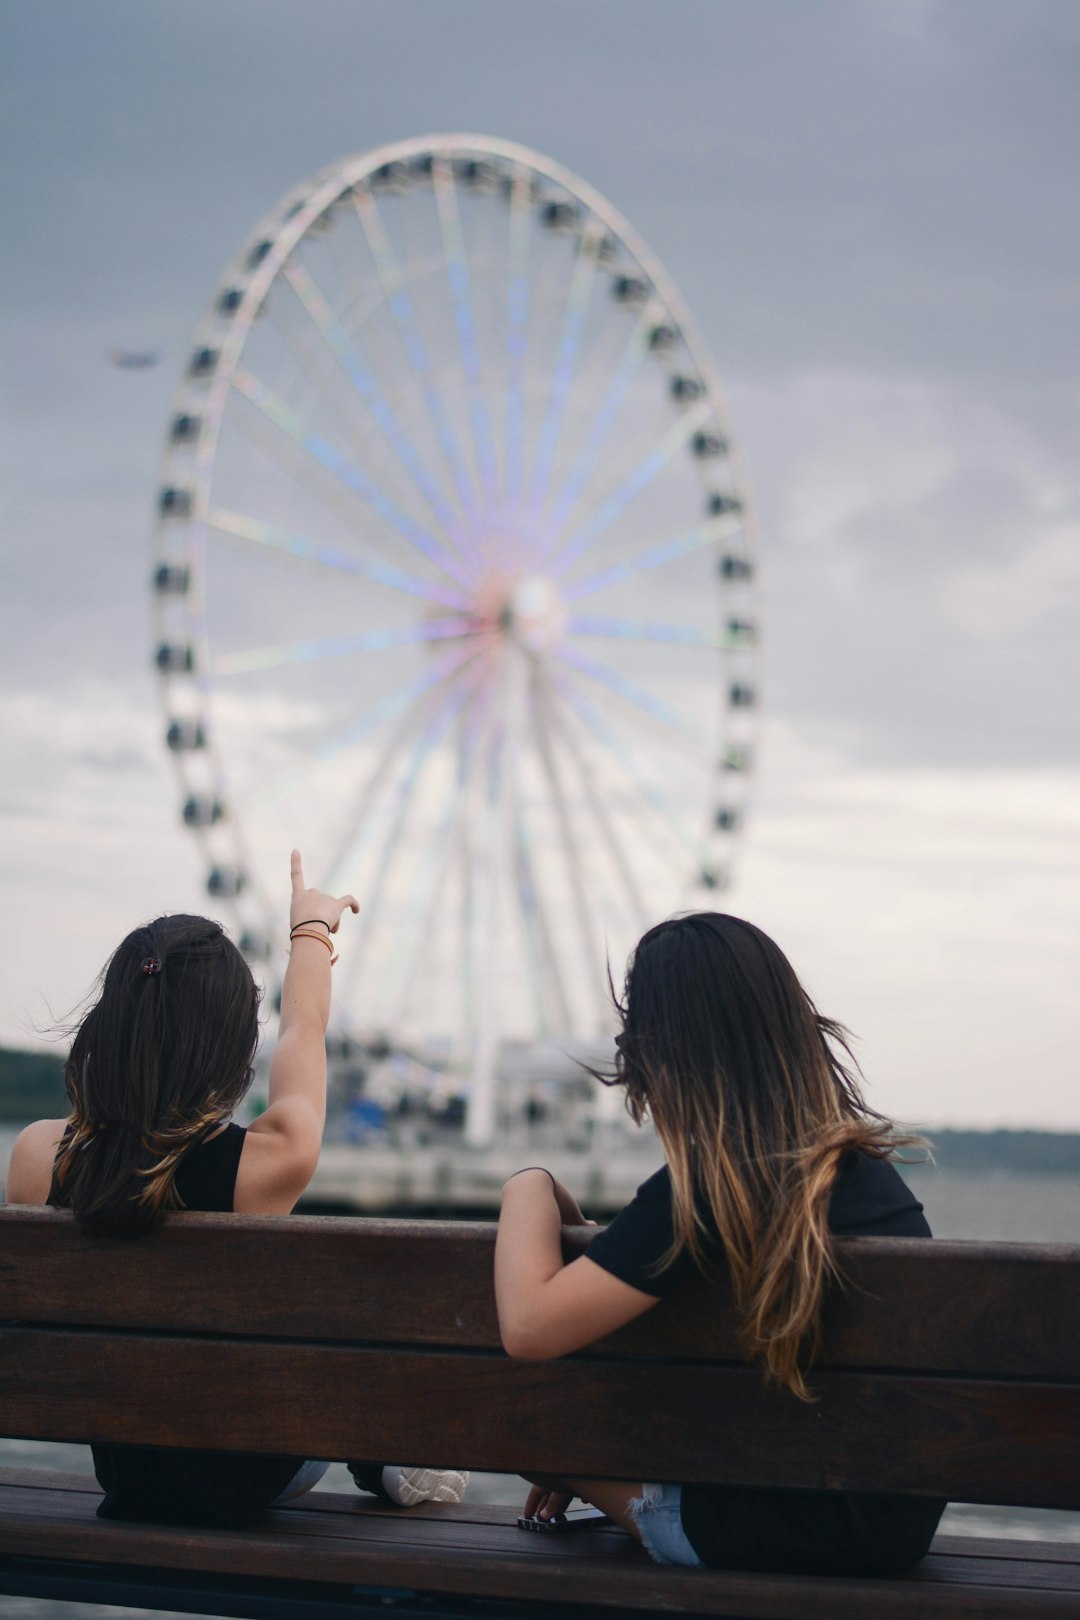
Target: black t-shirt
164 1485
797 1532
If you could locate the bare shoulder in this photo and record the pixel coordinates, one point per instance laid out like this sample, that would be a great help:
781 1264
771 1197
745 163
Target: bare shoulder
281 1149
30 1167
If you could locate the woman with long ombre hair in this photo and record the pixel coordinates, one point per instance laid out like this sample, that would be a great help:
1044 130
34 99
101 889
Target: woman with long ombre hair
157 1067
770 1153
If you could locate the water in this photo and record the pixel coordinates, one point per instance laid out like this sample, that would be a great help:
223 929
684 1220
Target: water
997 1207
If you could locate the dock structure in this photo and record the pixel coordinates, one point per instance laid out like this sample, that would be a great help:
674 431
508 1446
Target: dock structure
448 1178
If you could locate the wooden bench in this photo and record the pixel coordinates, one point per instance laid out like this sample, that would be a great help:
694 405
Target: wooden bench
951 1369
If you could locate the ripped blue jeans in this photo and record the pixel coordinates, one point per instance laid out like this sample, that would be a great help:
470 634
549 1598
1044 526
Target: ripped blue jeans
657 1512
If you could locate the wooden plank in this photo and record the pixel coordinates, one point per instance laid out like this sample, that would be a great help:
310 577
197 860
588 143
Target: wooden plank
48 1479
608 1570
1051 1552
476 1511
971 1440
998 1309
473 1510
500 1514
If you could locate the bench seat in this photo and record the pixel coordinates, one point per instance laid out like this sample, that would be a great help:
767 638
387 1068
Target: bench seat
327 1544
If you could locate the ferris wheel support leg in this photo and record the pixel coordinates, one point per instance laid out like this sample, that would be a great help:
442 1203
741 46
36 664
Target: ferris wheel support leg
480 1119
488 859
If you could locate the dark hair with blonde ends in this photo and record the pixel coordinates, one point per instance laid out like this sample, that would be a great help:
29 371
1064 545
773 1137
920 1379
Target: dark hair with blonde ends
159 1063
742 1077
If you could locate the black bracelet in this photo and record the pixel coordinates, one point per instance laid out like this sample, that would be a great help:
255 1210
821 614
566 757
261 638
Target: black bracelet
541 1167
308 924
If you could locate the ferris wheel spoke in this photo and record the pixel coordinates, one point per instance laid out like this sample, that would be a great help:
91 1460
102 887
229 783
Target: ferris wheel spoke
419 699
400 305
543 959
424 751
648 796
482 866
442 671
330 492
551 1004
255 659
417 918
309 473
575 868
682 635
344 351
672 441
672 725
655 556
237 526
457 266
409 697
630 364
577 304
316 362
345 473
604 821
517 322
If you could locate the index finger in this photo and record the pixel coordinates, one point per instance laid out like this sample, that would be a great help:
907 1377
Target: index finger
296 871
533 1501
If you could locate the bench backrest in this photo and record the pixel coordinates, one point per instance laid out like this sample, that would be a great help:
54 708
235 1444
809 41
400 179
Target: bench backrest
949 1369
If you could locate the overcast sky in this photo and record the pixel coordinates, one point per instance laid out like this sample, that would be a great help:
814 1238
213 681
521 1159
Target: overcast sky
871 209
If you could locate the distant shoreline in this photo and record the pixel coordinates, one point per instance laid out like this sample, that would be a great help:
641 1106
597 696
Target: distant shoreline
1055 1153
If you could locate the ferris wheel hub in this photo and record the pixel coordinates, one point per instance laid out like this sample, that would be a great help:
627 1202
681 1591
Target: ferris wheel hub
535 613
527 610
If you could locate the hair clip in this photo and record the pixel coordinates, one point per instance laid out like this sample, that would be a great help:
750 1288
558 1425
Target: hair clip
152 965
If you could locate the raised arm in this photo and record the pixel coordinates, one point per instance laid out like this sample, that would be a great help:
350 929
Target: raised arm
282 1145
546 1308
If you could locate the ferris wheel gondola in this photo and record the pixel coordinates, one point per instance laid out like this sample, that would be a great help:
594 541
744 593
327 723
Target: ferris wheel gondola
454 587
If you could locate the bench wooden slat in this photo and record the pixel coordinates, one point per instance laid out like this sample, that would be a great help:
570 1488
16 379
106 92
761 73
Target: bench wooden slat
49 1479
1050 1552
972 1440
335 1502
344 1541
995 1309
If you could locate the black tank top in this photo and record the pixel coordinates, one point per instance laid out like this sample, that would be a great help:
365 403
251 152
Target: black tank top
206 1178
167 1486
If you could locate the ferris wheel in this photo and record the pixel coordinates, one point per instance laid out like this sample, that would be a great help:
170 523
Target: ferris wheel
454 589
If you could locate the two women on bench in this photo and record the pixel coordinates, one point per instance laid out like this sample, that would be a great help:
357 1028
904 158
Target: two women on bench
770 1151
157 1068
769 1147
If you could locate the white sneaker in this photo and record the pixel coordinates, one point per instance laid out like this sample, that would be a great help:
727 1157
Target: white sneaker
407 1486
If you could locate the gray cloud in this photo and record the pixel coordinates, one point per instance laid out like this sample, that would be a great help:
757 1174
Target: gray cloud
829 187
